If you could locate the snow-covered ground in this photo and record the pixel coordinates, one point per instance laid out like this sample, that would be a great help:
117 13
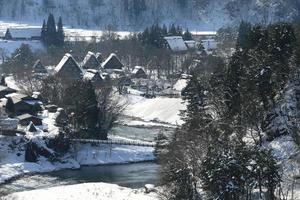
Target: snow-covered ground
160 109
91 191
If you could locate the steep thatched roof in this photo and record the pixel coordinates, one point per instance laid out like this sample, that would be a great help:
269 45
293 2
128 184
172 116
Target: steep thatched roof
68 68
90 61
38 67
112 62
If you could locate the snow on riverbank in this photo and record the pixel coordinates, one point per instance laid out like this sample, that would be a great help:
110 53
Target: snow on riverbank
112 154
91 191
12 165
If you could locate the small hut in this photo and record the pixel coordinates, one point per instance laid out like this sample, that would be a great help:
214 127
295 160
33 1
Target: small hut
138 72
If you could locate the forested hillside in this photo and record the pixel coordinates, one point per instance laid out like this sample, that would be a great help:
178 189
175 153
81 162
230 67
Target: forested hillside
137 14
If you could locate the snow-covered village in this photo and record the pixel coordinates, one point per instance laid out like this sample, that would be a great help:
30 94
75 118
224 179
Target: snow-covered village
149 100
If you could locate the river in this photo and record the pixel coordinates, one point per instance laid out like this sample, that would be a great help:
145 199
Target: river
134 175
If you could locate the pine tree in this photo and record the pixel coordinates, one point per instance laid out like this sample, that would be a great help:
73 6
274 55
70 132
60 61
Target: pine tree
51 31
44 32
60 33
187 35
243 37
10 107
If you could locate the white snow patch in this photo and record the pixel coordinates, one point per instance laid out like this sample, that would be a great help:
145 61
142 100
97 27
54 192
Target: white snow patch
91 191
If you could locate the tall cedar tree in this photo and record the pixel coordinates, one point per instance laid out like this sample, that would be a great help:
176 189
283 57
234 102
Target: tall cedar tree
60 33
51 31
44 32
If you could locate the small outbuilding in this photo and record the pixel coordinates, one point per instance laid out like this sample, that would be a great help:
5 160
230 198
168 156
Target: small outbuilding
26 119
138 72
94 76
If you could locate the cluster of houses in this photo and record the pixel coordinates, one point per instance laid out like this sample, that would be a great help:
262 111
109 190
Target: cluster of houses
25 109
93 68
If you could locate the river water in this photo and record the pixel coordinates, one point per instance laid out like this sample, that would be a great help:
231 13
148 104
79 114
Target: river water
134 175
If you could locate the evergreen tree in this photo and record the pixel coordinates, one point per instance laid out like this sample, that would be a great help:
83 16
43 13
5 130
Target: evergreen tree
2 82
44 32
51 31
60 33
10 107
20 62
187 35
243 37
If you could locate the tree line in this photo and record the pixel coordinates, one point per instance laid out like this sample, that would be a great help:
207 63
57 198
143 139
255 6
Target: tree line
208 156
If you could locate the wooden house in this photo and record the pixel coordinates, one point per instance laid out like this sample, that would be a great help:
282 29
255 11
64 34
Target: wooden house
68 69
90 61
176 43
23 104
112 64
39 68
138 72
23 34
26 119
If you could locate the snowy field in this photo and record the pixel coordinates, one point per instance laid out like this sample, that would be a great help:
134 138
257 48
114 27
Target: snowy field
70 33
93 191
160 109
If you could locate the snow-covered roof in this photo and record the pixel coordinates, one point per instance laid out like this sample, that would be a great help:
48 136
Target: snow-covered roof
25 32
209 44
91 74
204 33
90 61
176 43
64 60
136 69
190 43
112 62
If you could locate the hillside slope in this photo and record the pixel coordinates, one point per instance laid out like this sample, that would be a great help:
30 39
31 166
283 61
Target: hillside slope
136 14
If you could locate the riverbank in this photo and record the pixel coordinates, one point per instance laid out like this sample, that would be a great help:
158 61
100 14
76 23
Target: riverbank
92 191
12 162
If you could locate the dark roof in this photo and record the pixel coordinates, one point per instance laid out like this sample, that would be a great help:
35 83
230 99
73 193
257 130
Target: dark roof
112 62
7 89
32 128
27 116
38 67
